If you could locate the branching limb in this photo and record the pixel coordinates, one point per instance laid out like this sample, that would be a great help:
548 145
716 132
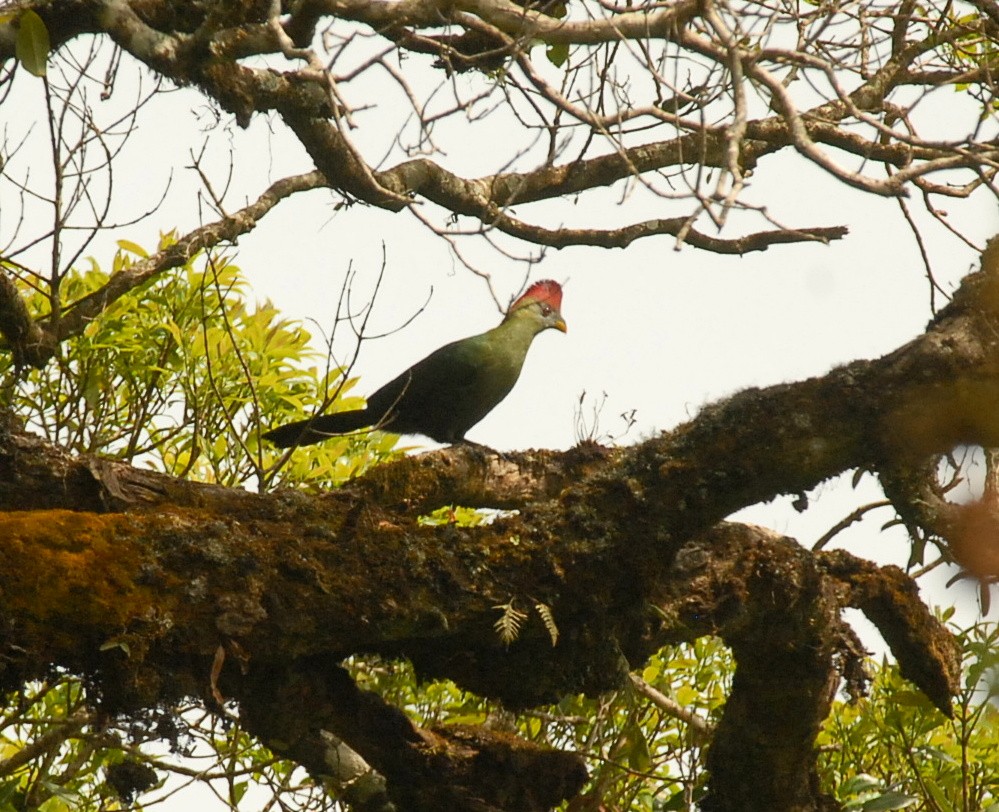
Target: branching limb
853 120
459 768
78 314
926 652
703 729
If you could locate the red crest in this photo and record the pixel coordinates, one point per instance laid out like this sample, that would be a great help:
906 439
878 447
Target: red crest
546 290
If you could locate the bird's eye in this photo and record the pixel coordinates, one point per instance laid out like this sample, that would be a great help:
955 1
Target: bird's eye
546 310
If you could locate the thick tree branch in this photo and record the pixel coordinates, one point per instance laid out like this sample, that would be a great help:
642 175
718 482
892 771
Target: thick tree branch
782 623
290 587
926 652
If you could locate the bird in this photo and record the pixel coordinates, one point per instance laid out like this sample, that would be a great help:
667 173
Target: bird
453 388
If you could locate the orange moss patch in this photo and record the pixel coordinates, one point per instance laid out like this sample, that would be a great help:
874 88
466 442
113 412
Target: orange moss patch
70 570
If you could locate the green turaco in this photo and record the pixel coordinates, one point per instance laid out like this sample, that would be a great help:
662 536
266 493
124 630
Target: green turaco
450 390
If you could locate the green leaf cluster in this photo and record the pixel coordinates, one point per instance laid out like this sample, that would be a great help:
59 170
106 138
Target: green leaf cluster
895 750
455 514
182 373
639 756
68 775
120 764
891 750
975 50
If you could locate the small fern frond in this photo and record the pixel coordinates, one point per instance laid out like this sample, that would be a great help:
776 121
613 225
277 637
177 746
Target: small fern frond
544 610
508 626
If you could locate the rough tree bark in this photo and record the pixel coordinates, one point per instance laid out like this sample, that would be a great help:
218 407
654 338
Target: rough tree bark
144 584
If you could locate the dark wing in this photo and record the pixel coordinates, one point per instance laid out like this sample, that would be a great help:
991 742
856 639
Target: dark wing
442 396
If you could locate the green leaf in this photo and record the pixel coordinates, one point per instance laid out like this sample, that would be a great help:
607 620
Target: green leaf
938 796
33 46
912 699
859 783
133 248
558 53
117 644
8 791
676 802
686 695
889 800
238 791
938 754
637 753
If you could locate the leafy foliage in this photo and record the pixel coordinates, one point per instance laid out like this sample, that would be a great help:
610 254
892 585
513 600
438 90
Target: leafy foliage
892 750
56 755
181 373
455 514
545 613
65 772
509 623
896 744
640 756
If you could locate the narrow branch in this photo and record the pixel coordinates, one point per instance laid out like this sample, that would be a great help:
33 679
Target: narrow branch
304 101
623 237
702 728
80 313
50 740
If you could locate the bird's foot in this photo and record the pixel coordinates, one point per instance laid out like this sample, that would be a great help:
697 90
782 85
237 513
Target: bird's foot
484 449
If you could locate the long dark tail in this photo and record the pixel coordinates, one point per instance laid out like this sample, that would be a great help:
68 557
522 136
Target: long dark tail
317 429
